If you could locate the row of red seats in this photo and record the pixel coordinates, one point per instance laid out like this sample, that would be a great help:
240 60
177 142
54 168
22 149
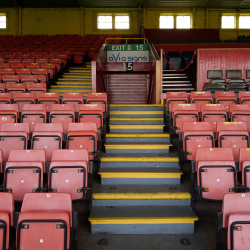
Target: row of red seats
45 221
205 97
212 113
49 136
195 135
68 172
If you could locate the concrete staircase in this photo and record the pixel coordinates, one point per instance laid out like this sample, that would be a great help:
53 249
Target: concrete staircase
75 80
140 190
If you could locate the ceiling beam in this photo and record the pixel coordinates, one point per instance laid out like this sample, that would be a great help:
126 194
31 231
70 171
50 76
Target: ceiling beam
242 1
16 3
210 2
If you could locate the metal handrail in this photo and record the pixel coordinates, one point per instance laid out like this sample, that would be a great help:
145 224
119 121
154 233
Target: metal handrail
119 38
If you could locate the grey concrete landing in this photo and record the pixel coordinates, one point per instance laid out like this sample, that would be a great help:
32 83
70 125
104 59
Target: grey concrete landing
145 242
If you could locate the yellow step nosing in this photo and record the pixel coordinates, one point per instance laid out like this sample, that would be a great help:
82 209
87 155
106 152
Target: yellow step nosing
139 159
139 175
137 135
136 119
136 105
79 79
136 112
143 220
142 196
73 87
136 126
140 146
89 83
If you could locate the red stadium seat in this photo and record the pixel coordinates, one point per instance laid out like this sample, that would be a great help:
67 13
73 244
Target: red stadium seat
24 98
58 64
175 98
97 98
216 173
36 88
15 88
23 71
29 78
42 74
203 97
225 97
33 65
91 113
2 87
64 113
244 97
49 99
55 211
18 66
5 98
232 135
33 114
75 98
236 217
24 172
9 113
4 65
213 113
68 172
52 70
195 135
11 78
47 136
240 113
83 136
13 136
183 113
7 71
6 218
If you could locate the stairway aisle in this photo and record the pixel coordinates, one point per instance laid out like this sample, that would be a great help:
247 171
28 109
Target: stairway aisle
140 190
77 79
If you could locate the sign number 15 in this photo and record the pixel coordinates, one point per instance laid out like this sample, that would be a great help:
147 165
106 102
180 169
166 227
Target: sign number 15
128 66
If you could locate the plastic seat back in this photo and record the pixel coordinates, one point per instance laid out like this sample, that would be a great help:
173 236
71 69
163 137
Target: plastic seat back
96 98
24 98
225 97
5 98
244 97
29 78
213 113
175 98
64 113
49 99
240 113
9 113
75 98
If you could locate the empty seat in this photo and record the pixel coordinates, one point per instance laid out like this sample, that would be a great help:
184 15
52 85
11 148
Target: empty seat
199 98
47 136
36 88
15 88
83 136
244 97
33 65
240 113
91 113
213 113
75 98
64 113
68 172
33 114
2 87
216 81
195 135
5 98
46 223
42 74
13 136
23 71
49 99
7 71
225 98
24 98
24 172
244 166
183 113
97 98
11 78
236 217
29 78
6 218
175 98
9 113
232 135
216 173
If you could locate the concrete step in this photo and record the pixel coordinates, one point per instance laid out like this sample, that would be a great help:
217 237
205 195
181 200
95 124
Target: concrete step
156 107
139 160
144 129
138 137
177 89
64 86
136 147
140 176
171 82
136 121
61 91
142 220
141 195
136 114
87 84
74 79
